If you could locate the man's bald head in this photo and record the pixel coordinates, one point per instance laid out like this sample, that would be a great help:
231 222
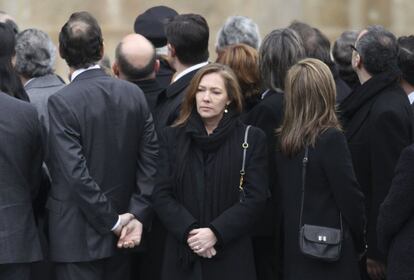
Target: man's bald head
135 58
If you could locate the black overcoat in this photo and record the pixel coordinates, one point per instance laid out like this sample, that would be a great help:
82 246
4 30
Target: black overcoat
396 220
378 123
331 188
235 257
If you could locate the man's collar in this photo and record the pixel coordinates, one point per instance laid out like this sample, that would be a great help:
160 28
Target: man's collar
81 70
411 97
189 69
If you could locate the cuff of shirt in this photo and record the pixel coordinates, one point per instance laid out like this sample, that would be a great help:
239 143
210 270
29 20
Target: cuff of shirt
117 224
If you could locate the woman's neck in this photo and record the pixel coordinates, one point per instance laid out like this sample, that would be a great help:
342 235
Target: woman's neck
211 125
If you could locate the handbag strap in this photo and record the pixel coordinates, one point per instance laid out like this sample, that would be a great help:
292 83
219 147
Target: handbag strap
304 167
245 145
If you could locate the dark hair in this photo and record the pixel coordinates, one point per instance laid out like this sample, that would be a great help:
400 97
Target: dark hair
316 44
188 34
80 40
9 80
378 50
406 58
280 49
131 72
10 22
342 55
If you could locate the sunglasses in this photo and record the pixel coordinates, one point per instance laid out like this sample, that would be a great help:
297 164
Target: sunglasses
353 48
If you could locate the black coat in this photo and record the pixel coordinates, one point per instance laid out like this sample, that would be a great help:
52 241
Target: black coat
103 150
378 124
169 102
331 188
396 220
152 91
235 258
21 156
267 115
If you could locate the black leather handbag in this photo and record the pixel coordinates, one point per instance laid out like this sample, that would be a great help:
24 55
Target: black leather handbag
318 242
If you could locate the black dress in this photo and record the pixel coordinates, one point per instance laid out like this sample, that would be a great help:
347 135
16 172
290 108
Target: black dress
396 220
197 186
331 188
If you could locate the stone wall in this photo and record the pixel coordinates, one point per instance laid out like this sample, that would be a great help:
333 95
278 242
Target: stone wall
117 16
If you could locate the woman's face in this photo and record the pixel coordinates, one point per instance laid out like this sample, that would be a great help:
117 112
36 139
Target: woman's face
211 97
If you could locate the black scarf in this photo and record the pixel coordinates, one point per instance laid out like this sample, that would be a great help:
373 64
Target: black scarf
365 93
207 171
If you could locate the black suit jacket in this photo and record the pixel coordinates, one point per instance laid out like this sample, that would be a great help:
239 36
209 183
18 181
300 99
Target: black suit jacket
378 124
102 161
21 156
169 102
396 220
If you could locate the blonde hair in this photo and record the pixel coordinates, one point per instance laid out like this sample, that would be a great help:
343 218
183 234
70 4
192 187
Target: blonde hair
310 105
230 83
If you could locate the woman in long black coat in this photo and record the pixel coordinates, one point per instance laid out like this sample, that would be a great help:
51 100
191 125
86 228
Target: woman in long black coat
197 195
396 220
331 188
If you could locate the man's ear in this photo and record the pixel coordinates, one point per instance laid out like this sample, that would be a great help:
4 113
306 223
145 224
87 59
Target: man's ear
102 51
157 66
171 50
115 69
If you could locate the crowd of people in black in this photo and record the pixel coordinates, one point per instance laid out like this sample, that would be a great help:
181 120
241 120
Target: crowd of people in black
283 159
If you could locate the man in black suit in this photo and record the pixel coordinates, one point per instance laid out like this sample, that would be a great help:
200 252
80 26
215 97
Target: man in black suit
136 61
187 37
20 172
406 64
378 124
102 160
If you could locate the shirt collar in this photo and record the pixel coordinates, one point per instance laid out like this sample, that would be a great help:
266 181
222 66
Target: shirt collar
411 97
81 70
189 69
25 84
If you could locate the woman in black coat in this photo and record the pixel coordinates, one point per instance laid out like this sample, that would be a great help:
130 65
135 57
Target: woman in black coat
396 220
331 192
281 49
197 196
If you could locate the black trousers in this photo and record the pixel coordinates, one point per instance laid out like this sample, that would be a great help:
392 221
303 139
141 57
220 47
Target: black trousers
15 271
113 268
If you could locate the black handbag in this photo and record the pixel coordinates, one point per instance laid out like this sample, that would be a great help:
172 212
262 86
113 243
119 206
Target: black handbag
323 243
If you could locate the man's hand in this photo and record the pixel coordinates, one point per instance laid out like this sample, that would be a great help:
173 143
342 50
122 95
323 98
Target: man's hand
376 269
124 219
130 235
200 240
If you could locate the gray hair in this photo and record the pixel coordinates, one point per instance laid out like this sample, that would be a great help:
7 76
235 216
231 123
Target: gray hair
280 49
236 30
378 49
342 55
35 53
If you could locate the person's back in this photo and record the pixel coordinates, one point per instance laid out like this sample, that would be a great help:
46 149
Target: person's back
21 155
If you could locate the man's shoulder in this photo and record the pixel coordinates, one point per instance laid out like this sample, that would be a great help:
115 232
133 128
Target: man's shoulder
392 98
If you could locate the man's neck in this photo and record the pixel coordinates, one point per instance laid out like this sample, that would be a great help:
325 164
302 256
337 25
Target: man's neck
363 75
408 88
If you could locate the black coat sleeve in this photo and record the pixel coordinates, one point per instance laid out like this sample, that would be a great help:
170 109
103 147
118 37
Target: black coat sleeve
338 167
398 206
66 154
140 203
390 134
175 217
239 219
